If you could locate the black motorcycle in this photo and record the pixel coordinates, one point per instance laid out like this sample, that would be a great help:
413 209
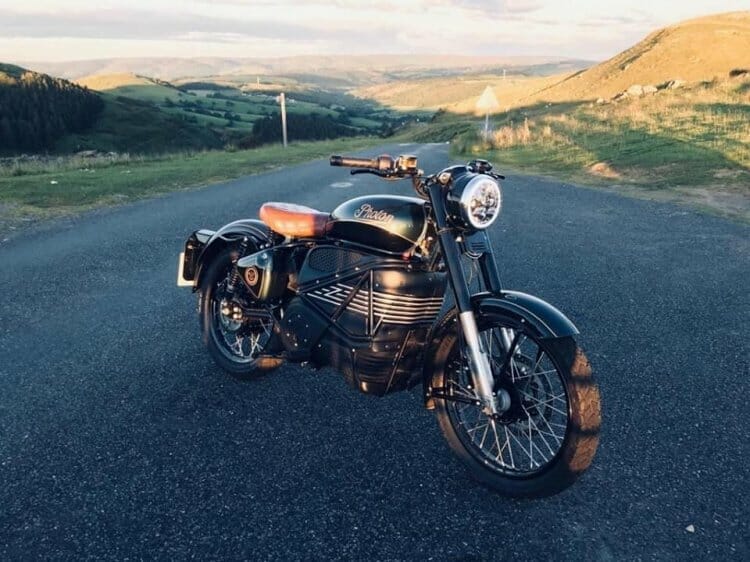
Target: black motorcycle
361 290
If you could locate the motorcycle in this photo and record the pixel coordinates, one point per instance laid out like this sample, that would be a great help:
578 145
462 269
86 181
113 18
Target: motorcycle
361 290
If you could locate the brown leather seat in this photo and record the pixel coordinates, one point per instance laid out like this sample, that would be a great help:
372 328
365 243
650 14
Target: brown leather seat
295 221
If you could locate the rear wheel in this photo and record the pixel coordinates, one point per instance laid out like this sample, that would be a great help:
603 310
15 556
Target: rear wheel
548 436
236 329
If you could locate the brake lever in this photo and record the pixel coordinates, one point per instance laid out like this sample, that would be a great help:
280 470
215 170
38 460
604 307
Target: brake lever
364 171
380 173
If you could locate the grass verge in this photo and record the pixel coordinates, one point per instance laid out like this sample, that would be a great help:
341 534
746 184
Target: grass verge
40 189
690 146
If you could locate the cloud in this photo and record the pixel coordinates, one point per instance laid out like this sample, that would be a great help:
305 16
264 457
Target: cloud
130 24
585 28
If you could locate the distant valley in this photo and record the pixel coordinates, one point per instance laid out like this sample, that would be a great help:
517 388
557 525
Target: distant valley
332 71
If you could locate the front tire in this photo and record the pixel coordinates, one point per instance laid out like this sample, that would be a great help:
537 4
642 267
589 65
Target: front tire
548 437
236 346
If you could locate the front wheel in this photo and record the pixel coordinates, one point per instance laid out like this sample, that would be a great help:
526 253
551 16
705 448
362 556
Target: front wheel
548 436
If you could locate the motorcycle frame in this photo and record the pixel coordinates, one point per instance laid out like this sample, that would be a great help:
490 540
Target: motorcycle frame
452 242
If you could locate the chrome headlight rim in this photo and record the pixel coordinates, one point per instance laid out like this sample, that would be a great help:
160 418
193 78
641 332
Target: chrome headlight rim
481 202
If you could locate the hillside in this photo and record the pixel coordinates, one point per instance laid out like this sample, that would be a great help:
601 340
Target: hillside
9 73
131 85
246 112
126 84
39 113
693 50
455 94
688 144
138 114
128 125
112 81
36 109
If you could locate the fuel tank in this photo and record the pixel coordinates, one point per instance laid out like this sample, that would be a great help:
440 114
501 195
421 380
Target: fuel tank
390 223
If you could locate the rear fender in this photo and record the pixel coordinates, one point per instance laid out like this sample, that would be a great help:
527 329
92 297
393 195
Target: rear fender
257 233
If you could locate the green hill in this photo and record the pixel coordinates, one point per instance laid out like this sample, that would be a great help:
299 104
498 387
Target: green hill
138 127
39 113
10 72
36 110
245 112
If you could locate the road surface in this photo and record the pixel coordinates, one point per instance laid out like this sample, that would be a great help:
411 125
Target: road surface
119 439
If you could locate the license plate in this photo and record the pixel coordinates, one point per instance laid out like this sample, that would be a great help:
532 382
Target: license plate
181 282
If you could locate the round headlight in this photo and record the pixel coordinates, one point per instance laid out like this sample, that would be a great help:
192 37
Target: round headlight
481 201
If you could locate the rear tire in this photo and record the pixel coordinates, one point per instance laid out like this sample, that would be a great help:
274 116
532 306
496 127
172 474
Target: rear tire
571 401
242 358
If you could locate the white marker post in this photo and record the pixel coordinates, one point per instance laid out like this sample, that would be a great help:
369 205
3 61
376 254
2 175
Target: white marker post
487 102
282 101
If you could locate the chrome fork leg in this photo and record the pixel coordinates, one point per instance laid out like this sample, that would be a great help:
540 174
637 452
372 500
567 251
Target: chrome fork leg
481 369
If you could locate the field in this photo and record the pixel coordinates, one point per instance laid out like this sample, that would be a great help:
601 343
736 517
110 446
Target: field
30 190
690 145
231 105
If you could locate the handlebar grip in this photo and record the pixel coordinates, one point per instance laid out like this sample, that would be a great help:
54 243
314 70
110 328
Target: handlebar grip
351 162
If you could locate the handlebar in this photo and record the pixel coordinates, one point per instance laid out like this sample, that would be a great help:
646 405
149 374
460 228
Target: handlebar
383 163
352 162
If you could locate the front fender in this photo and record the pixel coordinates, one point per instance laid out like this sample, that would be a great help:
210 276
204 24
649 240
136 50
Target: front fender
547 320
255 230
520 308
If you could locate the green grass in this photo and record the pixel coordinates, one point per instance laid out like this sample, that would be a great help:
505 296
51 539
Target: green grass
690 145
63 185
155 93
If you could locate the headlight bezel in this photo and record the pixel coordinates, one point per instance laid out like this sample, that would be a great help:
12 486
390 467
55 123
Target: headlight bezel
477 194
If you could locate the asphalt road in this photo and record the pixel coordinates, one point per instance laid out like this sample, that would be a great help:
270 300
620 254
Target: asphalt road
119 439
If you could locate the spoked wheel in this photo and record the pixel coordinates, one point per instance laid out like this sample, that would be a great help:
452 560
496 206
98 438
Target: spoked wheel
235 329
549 434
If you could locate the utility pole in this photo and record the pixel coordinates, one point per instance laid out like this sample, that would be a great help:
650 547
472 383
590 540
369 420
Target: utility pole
282 100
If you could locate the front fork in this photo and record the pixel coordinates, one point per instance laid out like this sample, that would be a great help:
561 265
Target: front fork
481 370
479 361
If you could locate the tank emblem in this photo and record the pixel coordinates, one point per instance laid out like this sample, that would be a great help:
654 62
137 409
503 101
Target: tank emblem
367 212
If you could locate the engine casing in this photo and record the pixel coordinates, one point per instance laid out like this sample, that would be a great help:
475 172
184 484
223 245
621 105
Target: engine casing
364 314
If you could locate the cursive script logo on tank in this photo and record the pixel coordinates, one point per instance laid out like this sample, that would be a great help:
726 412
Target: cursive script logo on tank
366 212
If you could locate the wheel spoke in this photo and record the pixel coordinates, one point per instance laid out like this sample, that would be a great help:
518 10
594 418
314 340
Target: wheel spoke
238 340
531 433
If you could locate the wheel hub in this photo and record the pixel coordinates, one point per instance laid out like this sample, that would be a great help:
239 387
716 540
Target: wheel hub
515 412
231 315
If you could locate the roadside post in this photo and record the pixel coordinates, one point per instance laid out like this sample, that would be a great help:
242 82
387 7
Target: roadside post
282 101
487 102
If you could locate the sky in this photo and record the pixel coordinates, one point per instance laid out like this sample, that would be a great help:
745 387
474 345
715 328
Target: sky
57 30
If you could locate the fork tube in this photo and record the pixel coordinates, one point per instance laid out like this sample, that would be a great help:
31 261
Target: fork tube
449 249
479 362
488 266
